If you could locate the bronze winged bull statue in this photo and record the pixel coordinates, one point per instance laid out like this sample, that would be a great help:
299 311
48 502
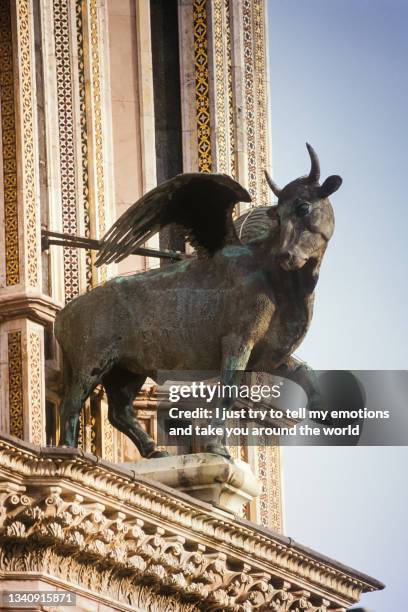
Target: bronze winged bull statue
238 305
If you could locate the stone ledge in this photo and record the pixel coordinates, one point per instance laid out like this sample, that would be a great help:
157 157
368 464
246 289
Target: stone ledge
229 484
37 307
117 533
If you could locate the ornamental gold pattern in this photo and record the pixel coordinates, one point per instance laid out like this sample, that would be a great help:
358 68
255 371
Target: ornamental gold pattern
15 384
28 168
8 125
67 143
202 86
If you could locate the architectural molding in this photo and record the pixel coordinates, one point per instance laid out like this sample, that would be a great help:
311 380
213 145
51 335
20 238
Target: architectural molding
62 508
39 308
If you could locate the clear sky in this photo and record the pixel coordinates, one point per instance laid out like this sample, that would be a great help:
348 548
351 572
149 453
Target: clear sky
339 81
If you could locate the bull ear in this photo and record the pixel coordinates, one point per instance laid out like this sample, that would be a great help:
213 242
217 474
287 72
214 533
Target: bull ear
330 185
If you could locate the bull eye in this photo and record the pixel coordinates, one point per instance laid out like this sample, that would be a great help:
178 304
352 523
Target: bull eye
302 208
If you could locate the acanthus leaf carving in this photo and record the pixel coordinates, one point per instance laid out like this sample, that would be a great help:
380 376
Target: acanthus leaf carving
143 544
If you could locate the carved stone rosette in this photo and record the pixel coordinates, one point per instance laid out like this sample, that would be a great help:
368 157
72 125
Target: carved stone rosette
129 543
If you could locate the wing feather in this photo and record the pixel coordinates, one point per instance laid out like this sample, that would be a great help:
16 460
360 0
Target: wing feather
200 203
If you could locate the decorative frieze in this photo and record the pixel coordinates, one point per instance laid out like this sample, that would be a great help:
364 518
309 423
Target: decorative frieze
62 509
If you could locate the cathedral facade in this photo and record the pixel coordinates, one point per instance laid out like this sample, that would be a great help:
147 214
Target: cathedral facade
101 100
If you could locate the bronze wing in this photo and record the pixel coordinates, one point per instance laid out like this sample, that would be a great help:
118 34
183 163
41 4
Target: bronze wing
200 203
256 223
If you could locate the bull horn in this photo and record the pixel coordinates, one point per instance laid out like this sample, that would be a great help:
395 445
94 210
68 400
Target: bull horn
314 173
272 184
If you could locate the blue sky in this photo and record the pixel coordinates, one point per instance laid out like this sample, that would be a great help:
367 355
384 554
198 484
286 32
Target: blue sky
339 81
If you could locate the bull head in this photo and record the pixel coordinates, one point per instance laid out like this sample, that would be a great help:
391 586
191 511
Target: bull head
305 216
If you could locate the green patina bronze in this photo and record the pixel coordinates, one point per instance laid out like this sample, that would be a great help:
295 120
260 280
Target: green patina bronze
244 303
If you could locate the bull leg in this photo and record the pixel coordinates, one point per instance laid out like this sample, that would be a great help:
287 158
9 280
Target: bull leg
302 374
122 387
235 357
77 391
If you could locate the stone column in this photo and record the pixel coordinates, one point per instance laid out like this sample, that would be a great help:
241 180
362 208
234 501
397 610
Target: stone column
92 40
146 106
225 109
24 306
226 128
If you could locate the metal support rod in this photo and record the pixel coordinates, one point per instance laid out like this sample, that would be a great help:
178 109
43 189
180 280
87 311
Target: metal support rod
49 238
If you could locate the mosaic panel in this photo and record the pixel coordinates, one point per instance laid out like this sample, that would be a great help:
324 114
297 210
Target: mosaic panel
15 383
67 144
202 86
8 127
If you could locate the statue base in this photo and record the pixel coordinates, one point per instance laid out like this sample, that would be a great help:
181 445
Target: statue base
229 484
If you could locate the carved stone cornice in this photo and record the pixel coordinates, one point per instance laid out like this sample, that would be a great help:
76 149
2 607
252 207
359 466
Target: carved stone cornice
142 545
36 307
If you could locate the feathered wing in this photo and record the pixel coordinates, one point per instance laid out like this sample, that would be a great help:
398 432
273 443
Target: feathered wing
200 203
255 223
